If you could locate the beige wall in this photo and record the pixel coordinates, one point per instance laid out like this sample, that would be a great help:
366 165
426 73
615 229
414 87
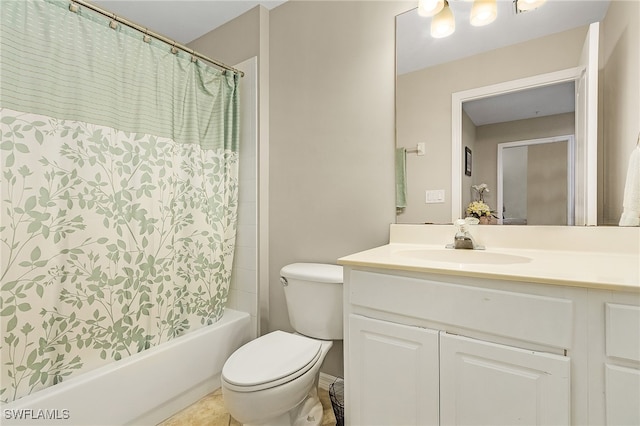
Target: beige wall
619 104
424 108
235 41
468 140
330 119
332 188
547 184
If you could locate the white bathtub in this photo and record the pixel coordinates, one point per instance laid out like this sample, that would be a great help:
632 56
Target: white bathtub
143 389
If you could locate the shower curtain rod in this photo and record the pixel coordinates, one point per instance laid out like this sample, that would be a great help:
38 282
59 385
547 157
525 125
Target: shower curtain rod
145 31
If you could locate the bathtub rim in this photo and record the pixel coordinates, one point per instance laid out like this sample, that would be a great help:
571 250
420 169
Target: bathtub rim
233 324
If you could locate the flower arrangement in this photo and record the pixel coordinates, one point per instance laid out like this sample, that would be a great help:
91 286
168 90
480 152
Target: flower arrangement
478 209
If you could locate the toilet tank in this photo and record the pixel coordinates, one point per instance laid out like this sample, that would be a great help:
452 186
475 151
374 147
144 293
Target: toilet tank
313 292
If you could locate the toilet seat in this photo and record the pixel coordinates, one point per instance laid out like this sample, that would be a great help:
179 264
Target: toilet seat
269 361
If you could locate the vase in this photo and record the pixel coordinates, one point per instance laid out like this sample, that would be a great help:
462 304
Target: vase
484 220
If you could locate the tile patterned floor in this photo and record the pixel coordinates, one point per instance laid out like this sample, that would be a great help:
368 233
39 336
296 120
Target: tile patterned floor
210 411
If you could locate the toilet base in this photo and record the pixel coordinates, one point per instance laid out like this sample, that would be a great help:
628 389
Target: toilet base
307 413
310 411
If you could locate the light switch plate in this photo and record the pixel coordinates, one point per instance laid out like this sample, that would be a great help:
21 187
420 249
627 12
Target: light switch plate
433 196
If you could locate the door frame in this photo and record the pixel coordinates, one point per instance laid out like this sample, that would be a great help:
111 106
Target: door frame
458 98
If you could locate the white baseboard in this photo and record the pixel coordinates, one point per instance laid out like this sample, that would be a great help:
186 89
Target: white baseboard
326 380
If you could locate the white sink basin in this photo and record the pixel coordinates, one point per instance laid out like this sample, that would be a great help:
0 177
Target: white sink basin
463 256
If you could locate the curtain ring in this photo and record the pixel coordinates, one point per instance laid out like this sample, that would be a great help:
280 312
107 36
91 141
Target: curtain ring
73 7
174 49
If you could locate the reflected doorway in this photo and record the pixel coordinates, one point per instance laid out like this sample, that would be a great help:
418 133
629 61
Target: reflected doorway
536 181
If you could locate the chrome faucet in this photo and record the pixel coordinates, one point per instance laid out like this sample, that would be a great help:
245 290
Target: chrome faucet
463 238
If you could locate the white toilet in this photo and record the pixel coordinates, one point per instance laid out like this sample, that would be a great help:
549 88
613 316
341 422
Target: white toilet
273 380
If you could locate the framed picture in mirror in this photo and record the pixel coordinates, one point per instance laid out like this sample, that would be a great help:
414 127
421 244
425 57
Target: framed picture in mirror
467 161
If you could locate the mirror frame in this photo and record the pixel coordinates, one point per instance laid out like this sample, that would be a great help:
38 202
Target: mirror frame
458 98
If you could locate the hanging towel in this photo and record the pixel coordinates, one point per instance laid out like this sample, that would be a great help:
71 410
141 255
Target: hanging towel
631 202
401 178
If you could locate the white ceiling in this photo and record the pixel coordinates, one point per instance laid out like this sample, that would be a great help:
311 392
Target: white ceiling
181 20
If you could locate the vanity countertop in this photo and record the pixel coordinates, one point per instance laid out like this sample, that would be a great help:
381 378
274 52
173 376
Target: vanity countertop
550 263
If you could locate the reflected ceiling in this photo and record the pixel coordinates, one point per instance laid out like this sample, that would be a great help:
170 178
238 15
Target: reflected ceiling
417 49
531 103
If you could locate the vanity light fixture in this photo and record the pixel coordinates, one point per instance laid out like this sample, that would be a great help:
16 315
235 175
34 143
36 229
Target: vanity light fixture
429 8
483 12
524 5
443 24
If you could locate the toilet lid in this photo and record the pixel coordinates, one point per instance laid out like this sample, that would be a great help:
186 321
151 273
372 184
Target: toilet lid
317 272
269 358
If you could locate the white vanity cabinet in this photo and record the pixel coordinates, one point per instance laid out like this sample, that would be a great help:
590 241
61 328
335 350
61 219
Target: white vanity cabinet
426 349
407 375
542 327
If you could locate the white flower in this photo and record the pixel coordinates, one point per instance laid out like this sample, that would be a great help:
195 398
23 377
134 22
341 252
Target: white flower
483 187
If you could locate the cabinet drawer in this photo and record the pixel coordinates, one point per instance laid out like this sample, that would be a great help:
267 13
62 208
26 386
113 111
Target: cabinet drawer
623 331
529 317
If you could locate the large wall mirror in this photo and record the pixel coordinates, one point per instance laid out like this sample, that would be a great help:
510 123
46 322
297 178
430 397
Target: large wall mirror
467 97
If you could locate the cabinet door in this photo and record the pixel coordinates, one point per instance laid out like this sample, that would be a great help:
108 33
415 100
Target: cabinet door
621 373
622 395
489 384
393 370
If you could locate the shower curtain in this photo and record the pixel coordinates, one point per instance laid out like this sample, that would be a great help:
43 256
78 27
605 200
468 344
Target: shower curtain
119 192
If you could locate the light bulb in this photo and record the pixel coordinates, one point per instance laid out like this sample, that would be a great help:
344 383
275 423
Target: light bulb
529 4
443 24
483 12
429 7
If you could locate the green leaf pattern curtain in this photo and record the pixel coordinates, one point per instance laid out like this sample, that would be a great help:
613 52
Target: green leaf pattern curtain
119 193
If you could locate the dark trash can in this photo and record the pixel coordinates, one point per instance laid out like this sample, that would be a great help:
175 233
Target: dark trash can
336 394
